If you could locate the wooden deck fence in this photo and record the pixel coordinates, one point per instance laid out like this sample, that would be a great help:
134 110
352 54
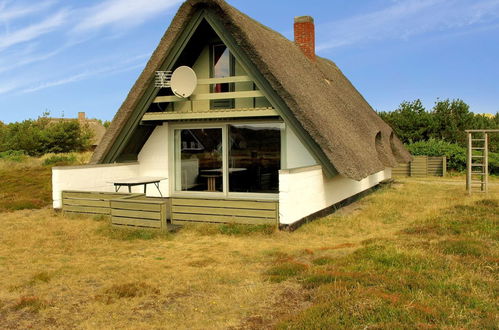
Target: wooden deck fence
91 202
134 210
137 210
224 211
422 166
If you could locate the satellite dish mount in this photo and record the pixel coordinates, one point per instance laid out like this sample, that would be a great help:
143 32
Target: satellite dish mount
182 81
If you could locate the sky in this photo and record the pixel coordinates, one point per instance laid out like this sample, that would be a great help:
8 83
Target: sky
67 56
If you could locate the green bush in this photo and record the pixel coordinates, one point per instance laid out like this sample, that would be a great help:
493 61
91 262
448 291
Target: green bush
494 163
60 160
13 155
456 155
45 135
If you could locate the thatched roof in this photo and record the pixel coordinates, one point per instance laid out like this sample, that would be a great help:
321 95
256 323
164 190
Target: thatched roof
333 113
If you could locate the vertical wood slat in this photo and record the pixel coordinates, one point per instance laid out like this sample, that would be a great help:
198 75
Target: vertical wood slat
468 164
422 166
486 162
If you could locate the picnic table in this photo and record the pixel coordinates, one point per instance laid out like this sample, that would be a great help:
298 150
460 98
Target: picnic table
137 181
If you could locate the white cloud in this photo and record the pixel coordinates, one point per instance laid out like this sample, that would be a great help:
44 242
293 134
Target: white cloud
21 61
80 76
405 19
128 64
33 31
10 13
122 12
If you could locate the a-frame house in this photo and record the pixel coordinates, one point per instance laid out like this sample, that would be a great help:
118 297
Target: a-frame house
271 133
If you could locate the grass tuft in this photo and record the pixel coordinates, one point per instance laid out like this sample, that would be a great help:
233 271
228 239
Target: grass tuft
131 234
30 303
43 277
101 217
238 229
127 290
285 270
60 160
232 229
202 262
322 261
463 247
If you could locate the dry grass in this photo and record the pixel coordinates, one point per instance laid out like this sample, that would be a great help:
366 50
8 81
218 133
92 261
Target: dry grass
78 272
27 184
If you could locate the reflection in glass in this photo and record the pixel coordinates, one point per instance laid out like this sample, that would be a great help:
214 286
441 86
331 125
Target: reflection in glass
254 158
221 67
198 159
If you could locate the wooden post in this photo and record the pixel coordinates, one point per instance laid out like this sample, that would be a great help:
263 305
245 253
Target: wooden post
426 164
444 166
468 165
486 162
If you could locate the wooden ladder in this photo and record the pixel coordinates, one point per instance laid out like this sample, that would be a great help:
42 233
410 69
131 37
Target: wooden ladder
477 163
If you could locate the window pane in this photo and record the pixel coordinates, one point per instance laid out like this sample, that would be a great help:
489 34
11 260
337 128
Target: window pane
221 61
198 159
254 158
222 67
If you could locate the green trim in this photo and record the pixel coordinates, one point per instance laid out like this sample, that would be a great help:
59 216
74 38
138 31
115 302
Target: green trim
160 116
265 87
271 95
151 92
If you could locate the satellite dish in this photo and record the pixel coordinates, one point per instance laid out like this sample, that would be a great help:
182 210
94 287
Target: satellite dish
183 81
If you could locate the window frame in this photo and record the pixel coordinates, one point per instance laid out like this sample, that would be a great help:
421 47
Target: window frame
173 155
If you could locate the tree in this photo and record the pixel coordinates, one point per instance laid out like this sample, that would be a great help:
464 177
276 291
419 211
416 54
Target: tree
37 137
451 119
65 136
3 135
410 121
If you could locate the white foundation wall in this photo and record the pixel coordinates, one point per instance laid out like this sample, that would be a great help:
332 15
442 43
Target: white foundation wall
153 160
304 191
296 153
89 178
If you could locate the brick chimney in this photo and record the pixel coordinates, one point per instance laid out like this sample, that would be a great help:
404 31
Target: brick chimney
305 35
81 116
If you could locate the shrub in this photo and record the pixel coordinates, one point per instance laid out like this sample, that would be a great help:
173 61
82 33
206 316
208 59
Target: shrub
456 155
43 135
60 160
13 155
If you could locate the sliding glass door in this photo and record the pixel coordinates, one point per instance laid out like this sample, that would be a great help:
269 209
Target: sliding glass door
254 158
199 160
238 158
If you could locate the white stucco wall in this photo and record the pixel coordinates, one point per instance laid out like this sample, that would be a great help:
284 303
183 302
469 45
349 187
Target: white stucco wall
89 178
296 153
307 190
153 160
